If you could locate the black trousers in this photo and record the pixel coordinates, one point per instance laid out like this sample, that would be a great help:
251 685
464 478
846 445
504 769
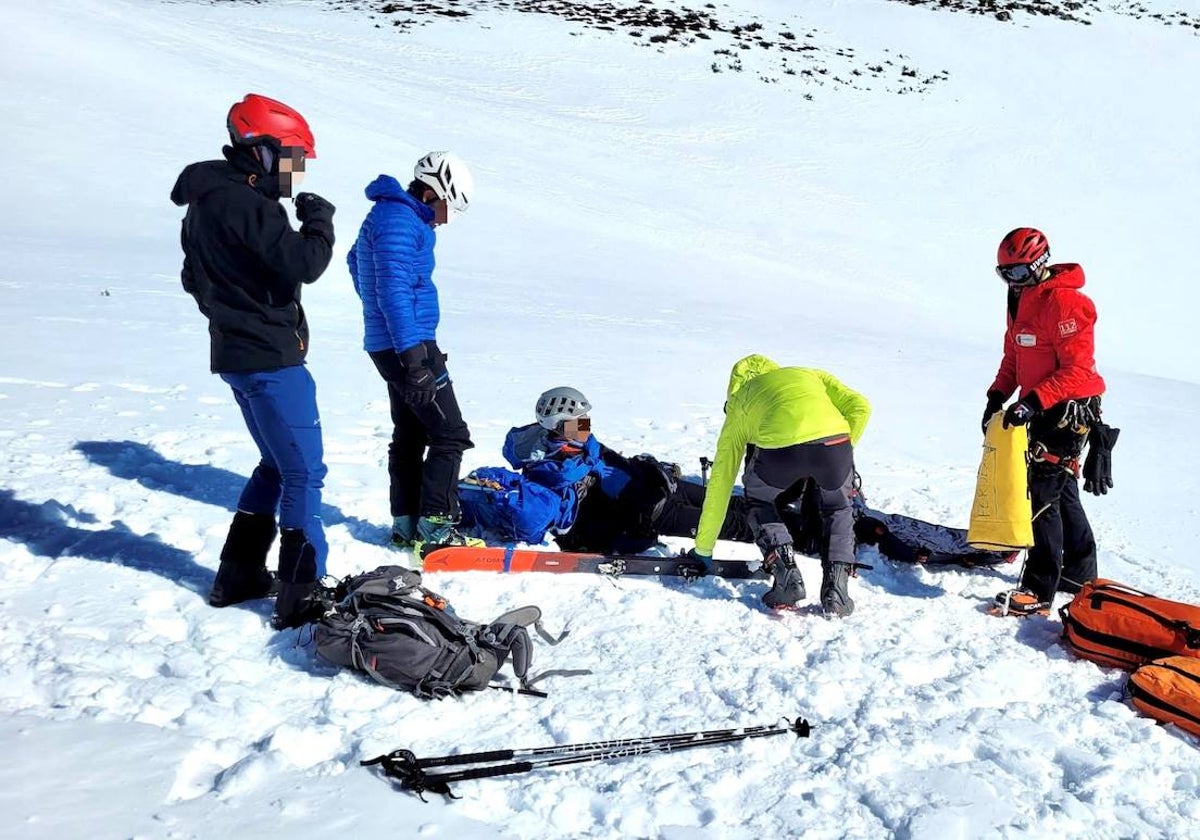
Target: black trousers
605 526
775 477
427 442
680 515
1063 556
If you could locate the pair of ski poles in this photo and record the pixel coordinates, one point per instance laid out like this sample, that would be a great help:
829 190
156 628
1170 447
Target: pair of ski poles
411 773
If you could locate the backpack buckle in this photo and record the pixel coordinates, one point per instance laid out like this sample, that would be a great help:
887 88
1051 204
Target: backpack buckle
432 599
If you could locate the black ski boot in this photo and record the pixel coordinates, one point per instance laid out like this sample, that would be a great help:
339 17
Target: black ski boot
788 587
835 589
242 575
297 603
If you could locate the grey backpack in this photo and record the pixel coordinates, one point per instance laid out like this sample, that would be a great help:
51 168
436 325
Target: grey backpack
387 625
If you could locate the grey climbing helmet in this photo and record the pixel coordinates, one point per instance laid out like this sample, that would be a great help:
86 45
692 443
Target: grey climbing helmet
559 404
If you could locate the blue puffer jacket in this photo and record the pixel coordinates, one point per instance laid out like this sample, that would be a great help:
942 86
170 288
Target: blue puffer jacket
391 264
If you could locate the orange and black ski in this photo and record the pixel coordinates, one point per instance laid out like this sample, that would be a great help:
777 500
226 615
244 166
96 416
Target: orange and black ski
462 558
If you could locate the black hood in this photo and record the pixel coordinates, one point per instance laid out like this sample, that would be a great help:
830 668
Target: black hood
239 166
199 179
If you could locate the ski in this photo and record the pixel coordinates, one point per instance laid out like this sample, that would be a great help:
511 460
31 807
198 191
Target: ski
462 558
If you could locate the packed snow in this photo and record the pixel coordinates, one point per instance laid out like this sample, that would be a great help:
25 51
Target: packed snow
642 221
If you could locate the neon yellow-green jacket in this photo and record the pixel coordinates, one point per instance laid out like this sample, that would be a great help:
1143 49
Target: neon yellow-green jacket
772 408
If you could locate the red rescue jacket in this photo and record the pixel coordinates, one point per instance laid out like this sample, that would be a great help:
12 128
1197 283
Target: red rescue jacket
1049 347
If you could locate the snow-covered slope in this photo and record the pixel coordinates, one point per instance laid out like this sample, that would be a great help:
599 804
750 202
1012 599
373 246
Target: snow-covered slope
642 222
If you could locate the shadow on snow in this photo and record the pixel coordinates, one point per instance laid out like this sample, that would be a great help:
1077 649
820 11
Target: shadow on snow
199 482
44 530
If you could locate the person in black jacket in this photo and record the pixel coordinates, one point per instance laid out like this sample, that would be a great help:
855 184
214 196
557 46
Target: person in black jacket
245 264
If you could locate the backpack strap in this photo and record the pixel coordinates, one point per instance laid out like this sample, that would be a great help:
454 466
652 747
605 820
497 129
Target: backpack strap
558 672
512 641
531 616
546 637
360 660
1191 635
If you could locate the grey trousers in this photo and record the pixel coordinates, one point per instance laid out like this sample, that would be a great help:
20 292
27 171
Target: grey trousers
775 477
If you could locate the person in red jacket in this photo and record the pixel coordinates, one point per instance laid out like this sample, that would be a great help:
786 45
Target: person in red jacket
1049 356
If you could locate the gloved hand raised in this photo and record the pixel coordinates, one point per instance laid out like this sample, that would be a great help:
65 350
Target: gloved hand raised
420 383
1097 467
312 206
1022 411
995 402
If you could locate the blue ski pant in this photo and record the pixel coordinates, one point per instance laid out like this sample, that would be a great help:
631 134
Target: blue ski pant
280 410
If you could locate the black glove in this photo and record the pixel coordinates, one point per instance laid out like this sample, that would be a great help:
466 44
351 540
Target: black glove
312 206
1097 467
702 562
1022 411
995 403
420 383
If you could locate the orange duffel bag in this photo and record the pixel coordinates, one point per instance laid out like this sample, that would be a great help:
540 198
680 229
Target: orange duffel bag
1168 690
1114 625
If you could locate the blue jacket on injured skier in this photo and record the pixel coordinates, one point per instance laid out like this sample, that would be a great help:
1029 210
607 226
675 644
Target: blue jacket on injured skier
587 496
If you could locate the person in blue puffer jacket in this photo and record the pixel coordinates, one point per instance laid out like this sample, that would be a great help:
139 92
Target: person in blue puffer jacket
391 264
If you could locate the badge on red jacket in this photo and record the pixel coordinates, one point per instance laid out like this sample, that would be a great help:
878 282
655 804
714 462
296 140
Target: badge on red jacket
1067 327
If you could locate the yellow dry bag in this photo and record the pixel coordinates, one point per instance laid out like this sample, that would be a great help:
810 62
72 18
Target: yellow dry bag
1001 516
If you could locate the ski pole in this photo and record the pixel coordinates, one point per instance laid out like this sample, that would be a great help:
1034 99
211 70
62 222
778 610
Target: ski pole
590 746
705 464
439 782
408 771
418 781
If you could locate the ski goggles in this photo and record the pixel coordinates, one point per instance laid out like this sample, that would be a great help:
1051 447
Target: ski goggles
1022 274
1018 274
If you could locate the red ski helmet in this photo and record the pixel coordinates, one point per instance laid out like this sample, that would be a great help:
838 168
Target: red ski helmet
257 118
1023 246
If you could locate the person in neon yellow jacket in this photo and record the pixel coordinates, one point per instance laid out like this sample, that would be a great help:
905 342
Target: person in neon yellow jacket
792 424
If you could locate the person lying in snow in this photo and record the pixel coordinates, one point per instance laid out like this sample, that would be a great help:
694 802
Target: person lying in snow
591 498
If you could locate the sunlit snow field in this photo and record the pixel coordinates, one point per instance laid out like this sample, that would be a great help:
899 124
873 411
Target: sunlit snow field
641 223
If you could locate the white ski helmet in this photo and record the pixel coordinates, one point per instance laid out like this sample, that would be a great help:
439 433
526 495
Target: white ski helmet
559 404
447 175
